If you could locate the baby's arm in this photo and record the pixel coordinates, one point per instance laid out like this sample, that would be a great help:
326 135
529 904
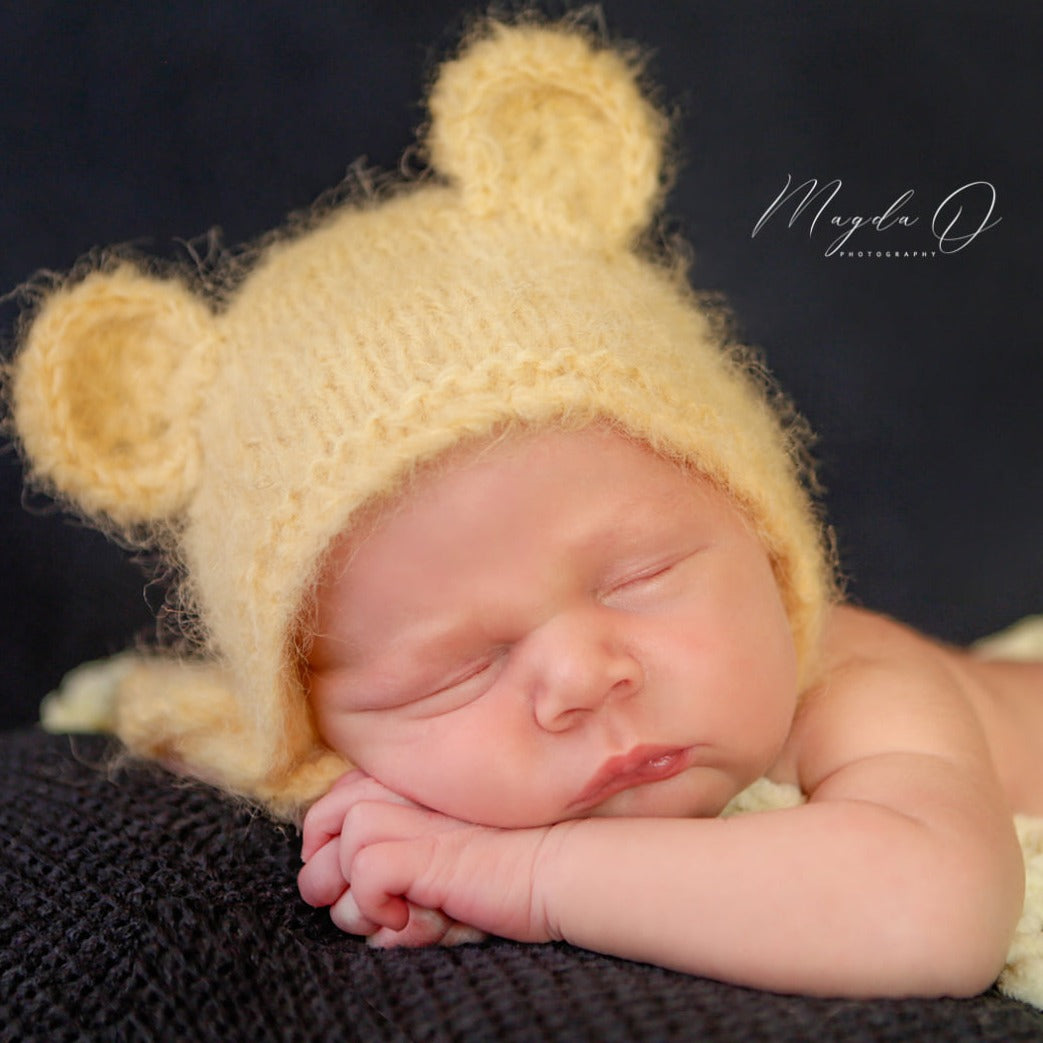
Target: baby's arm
840 896
845 895
901 875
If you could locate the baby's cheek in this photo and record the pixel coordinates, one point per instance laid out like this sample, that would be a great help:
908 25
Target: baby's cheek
332 729
479 764
494 794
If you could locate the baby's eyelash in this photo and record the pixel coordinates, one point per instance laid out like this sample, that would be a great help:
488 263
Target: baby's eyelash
468 673
640 577
650 574
624 583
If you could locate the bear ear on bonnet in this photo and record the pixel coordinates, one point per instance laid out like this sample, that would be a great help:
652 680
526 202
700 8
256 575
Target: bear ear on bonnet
548 127
104 393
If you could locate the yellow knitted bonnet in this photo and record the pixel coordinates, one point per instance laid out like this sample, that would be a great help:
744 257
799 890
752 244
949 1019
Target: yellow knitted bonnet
508 288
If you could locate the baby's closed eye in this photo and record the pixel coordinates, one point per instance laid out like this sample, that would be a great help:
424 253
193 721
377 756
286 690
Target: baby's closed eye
471 671
661 579
473 677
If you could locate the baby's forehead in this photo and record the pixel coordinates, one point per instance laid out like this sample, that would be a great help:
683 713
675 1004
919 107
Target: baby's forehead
480 474
595 448
601 445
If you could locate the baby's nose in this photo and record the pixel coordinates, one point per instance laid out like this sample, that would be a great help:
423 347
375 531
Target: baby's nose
578 662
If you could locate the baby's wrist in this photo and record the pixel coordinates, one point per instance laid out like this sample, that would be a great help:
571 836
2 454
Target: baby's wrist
553 863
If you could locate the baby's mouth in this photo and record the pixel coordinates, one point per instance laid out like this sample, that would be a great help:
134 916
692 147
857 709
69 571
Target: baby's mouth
639 766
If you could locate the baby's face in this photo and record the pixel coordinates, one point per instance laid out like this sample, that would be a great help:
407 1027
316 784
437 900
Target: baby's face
558 625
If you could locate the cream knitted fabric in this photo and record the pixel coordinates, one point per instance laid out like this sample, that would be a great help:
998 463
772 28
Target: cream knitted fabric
509 290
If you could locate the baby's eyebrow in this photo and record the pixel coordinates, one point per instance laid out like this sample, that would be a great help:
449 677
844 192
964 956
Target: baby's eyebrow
410 668
430 643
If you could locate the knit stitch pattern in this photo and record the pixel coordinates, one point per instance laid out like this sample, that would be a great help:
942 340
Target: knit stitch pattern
136 909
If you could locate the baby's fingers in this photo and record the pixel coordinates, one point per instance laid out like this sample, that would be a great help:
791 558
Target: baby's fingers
376 822
345 914
325 818
320 880
382 877
425 927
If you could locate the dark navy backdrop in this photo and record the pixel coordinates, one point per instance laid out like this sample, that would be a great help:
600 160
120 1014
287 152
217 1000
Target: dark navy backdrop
152 123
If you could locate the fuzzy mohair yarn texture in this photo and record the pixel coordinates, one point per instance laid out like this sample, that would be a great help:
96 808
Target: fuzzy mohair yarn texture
509 288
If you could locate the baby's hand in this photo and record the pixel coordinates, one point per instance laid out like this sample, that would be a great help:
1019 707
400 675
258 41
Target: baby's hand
325 818
405 875
321 882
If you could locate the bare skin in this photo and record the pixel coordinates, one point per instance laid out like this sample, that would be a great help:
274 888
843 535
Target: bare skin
1005 697
555 660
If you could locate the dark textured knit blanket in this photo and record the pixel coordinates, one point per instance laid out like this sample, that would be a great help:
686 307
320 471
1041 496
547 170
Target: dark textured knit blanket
136 907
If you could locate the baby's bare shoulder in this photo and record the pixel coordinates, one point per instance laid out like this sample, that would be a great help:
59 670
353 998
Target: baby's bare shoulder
884 689
852 632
